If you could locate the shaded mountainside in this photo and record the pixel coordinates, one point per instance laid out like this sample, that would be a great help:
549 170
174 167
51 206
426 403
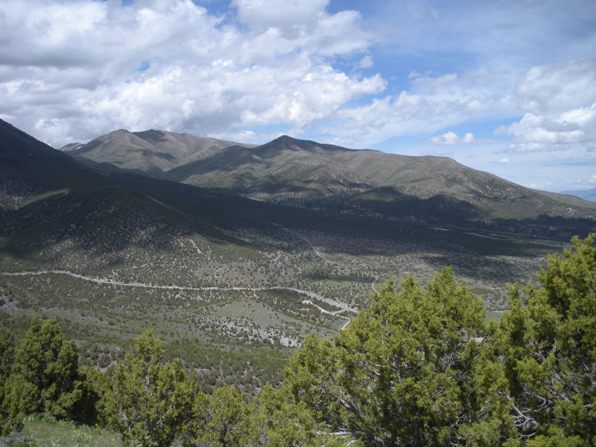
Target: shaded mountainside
47 199
55 207
29 169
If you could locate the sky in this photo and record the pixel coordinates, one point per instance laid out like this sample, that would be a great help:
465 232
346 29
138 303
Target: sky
505 86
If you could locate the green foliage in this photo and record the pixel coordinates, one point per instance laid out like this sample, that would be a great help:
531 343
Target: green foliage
147 400
42 376
10 418
6 354
404 371
276 421
418 367
93 385
547 343
45 373
13 405
226 419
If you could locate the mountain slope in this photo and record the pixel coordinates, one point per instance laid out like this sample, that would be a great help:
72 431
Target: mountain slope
150 151
280 166
286 167
29 168
47 199
322 176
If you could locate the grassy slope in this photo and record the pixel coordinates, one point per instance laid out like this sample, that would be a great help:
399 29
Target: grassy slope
48 432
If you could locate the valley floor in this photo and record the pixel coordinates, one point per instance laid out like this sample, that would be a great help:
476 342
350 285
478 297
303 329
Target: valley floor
232 312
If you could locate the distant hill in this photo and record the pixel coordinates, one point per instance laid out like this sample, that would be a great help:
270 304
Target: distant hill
586 194
71 147
45 194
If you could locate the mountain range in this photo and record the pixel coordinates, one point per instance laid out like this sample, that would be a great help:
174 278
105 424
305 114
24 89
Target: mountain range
314 175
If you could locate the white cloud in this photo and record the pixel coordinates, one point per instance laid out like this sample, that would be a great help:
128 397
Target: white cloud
69 68
288 15
446 138
365 62
559 105
452 138
504 161
432 103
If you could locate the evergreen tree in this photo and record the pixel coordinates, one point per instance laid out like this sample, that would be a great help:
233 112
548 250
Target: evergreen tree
149 401
11 419
226 419
45 373
274 420
404 372
547 344
94 384
6 354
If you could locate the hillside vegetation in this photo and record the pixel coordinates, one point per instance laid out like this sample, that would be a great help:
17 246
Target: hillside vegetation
418 366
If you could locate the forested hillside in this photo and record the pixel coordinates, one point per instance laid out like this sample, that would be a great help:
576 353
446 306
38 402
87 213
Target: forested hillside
418 366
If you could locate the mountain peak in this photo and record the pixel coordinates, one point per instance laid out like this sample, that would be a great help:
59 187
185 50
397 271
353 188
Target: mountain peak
284 139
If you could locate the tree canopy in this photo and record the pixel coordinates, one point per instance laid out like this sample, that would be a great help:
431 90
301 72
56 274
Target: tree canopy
404 372
147 400
547 344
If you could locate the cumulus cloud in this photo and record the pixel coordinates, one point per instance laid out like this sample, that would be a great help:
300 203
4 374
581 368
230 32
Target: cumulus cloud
430 104
559 105
73 69
452 138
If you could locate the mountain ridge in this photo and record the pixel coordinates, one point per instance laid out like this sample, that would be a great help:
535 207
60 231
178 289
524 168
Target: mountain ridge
150 151
306 173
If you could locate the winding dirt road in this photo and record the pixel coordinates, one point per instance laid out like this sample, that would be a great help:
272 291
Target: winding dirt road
111 282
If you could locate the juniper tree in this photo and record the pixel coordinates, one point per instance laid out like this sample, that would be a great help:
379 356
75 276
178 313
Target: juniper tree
547 344
45 376
274 420
11 418
148 400
405 371
226 419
